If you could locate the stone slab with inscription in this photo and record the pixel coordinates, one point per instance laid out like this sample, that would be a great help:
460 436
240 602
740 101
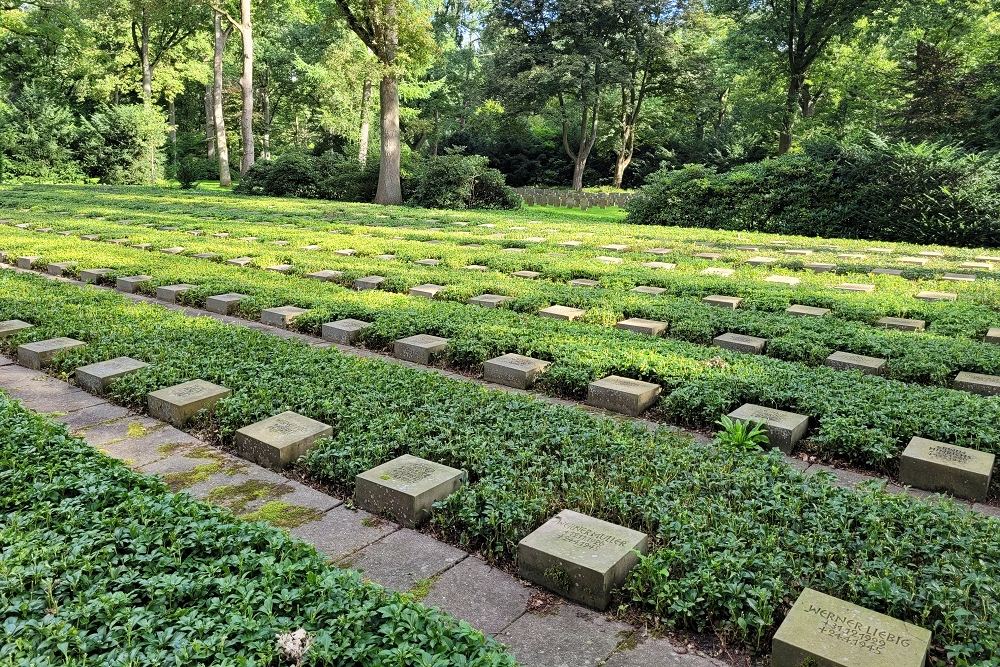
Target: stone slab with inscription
420 349
846 361
561 312
282 316
824 631
344 332
514 370
427 291
740 343
59 268
406 488
937 466
902 323
11 327
224 304
978 383
171 292
131 284
530 275
959 277
621 394
94 276
96 378
281 268
723 301
784 429
279 441
240 261
368 282
326 275
39 354
798 310
489 300
643 326
580 557
177 404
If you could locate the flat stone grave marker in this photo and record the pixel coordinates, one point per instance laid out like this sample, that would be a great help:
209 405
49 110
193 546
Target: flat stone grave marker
240 261
175 250
224 304
615 247
96 378
761 261
985 266
718 271
561 312
27 261
902 323
514 370
918 261
368 282
624 395
856 287
784 429
583 282
959 277
131 284
748 248
326 275
420 349
846 361
929 295
345 252
279 243
94 276
708 255
171 292
930 253
783 280
427 291
993 335
643 326
406 488
798 310
570 244
740 343
660 251
385 257
428 262
723 301
210 256
177 404
851 255
281 268
59 268
530 275
89 237
489 300
282 316
887 272
580 557
825 631
11 327
663 266
142 246
279 441
39 354
978 383
647 289
604 259
798 251
937 466
987 258
819 267
476 267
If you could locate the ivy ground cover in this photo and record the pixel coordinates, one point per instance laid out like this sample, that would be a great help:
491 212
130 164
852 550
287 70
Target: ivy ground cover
736 534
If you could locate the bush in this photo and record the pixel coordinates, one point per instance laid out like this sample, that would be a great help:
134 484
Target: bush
459 182
343 178
37 137
329 176
120 145
188 173
917 193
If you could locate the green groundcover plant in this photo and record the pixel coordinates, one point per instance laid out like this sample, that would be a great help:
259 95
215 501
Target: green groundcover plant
736 534
103 566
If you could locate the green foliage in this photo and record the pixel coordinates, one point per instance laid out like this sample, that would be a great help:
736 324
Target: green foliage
120 145
104 566
37 139
741 434
459 181
188 173
893 191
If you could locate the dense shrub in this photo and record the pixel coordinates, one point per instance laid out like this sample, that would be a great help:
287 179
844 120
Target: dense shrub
460 181
343 178
919 193
120 145
37 139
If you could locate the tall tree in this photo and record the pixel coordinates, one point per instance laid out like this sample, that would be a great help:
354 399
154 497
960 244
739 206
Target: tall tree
244 24
221 34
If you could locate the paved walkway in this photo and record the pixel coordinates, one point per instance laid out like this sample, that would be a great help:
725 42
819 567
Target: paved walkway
540 630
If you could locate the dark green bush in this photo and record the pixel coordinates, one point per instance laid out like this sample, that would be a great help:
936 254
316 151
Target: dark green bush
459 182
344 179
329 176
120 145
37 138
187 173
918 193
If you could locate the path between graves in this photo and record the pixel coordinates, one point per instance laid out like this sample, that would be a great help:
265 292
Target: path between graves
843 477
539 629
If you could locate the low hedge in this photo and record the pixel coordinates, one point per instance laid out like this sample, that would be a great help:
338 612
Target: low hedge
736 534
916 193
104 566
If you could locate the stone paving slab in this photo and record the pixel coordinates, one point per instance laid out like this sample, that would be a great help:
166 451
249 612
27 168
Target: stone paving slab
342 531
96 414
566 636
404 558
497 599
658 652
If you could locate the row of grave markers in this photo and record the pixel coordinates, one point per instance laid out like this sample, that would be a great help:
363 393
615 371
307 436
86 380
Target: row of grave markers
583 558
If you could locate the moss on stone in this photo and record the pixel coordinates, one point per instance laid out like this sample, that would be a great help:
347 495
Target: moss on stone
282 514
237 497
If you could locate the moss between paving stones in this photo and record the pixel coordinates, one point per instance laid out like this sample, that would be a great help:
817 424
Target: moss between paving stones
736 535
104 566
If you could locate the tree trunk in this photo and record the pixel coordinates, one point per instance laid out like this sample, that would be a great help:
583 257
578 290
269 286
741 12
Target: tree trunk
144 62
209 122
390 189
795 82
364 131
265 112
246 84
221 143
172 129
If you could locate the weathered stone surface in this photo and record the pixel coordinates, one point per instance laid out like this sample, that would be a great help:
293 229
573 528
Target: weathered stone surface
798 310
420 349
27 261
278 441
281 268
643 326
798 251
660 251
210 256
96 378
663 266
929 295
845 361
784 429
345 252
39 354
428 262
94 276
708 255
530 275
476 267
176 250
583 282
345 332
224 304
887 272
406 488
937 466
405 559
761 261
982 266
326 275
819 267
783 280
993 335
282 316
11 327
59 268
624 395
902 323
177 404
565 636
240 261
740 343
723 301
489 300
959 277
930 253
828 632
615 247
605 259
426 291
580 557
718 271
646 289
498 600
917 261
856 287
561 312
368 282
978 383
131 284
514 370
171 292
851 255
